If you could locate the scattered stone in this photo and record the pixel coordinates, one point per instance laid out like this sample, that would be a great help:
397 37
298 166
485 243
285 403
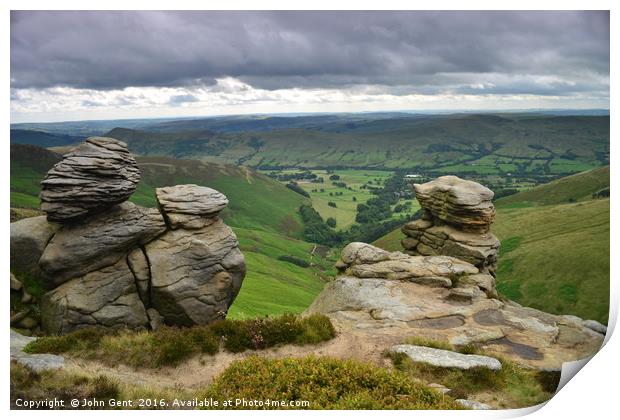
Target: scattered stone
28 323
440 388
36 362
94 176
473 405
446 358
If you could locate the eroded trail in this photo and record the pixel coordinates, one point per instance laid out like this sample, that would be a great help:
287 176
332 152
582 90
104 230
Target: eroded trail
200 371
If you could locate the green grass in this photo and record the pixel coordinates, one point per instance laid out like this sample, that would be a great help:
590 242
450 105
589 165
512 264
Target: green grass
560 261
273 286
391 241
325 383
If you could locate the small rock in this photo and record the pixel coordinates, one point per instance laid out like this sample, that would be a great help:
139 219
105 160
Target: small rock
595 326
446 358
36 362
28 323
16 285
156 321
440 388
474 405
190 206
27 297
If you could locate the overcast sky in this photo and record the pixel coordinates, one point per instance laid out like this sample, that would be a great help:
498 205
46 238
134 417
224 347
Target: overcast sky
97 65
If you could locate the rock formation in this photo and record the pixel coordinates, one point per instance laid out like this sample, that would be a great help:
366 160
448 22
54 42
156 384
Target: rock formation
94 176
456 222
386 297
114 264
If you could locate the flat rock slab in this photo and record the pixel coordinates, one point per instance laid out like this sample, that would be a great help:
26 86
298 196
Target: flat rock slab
446 358
36 362
474 405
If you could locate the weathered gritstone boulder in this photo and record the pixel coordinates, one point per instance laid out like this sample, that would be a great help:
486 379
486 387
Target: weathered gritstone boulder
119 265
386 297
196 274
29 237
107 297
190 206
456 221
94 176
99 241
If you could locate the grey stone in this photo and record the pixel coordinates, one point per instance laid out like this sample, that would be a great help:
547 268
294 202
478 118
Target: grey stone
16 285
97 174
36 362
195 274
473 405
595 326
190 206
99 241
29 237
107 297
446 358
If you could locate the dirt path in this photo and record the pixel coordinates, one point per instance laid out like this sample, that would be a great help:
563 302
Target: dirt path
200 371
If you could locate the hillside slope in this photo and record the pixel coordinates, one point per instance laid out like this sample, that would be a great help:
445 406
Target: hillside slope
262 212
576 187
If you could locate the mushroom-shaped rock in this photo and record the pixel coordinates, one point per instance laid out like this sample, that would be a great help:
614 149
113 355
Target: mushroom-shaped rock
456 201
94 176
190 206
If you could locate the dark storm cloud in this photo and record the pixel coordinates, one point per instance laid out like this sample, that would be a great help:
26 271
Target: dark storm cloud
408 52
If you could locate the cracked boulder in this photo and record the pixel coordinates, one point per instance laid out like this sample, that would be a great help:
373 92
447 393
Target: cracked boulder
195 274
94 176
98 241
456 222
107 297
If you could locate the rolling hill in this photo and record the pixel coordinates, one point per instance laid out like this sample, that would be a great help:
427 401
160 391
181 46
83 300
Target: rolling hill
555 253
42 138
262 212
460 143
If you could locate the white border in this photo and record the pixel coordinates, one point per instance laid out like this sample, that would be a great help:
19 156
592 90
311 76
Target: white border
591 395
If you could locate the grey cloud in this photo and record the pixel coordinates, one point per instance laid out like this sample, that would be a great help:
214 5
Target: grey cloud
181 99
421 51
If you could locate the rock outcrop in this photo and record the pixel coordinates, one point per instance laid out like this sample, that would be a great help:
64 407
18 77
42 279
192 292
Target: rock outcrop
446 358
114 264
389 296
94 176
456 222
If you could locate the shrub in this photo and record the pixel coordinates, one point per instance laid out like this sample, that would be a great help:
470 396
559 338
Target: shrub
426 342
168 346
331 222
331 204
325 383
294 187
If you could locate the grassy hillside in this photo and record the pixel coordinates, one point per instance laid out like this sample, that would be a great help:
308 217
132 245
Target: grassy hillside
42 138
572 188
554 254
262 212
464 143
556 257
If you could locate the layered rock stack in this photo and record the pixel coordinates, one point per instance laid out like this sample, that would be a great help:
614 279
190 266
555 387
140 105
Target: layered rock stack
382 298
112 263
456 222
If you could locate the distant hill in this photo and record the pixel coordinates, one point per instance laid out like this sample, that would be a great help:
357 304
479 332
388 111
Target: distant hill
42 138
576 187
262 212
462 143
554 254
